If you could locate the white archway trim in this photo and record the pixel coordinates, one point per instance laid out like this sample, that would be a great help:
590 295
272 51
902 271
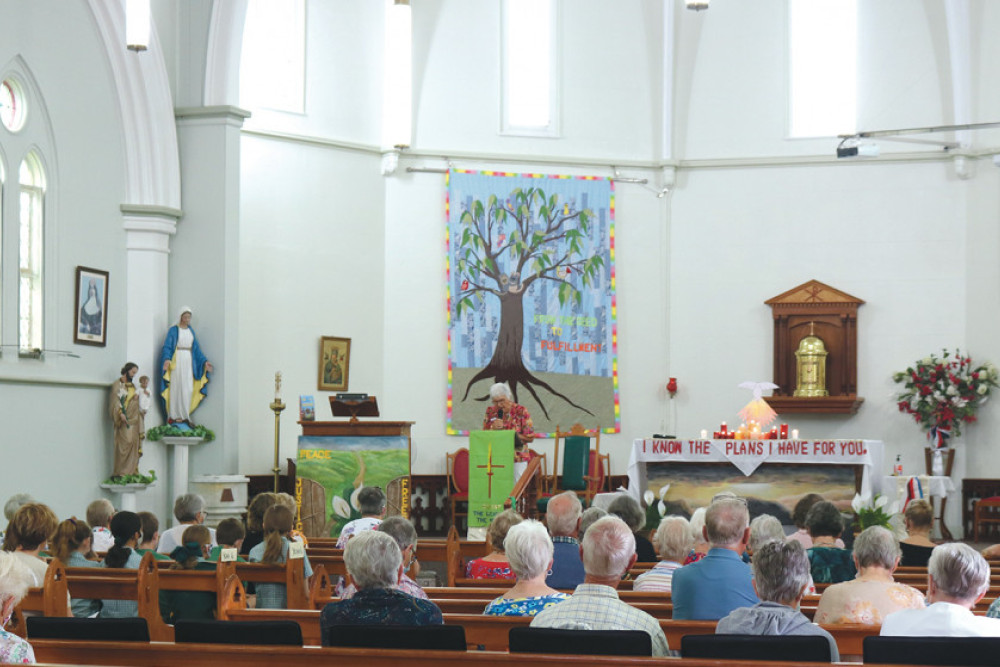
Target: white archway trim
152 165
225 46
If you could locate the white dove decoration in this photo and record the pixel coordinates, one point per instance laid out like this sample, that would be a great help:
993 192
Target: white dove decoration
758 410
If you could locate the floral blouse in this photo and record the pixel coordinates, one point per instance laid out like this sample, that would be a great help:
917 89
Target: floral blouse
522 606
516 419
13 649
488 569
866 601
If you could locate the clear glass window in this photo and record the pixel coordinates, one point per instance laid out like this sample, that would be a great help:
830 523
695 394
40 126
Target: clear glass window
823 67
529 72
30 240
12 105
273 65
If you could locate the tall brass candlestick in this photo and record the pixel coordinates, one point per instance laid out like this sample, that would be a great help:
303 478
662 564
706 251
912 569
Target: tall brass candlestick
277 406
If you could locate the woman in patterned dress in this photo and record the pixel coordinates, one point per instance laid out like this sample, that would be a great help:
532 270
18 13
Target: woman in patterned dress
14 582
495 565
506 415
873 594
529 550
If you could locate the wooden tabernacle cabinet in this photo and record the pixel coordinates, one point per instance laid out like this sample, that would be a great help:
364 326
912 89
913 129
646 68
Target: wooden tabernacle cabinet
832 316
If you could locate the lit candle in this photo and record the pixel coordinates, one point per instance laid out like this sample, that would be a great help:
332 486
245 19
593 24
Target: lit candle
704 434
783 432
795 434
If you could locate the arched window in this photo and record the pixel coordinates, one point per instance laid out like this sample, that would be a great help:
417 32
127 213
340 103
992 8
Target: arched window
823 46
31 178
529 72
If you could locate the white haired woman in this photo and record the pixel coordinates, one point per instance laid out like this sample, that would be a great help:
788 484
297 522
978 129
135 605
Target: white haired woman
504 414
375 562
872 595
780 577
701 545
529 550
674 540
14 582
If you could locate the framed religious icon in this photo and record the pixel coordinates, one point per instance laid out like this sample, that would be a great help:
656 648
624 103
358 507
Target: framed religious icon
91 317
334 363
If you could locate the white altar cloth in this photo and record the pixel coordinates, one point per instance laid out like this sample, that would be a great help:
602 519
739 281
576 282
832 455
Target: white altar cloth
748 454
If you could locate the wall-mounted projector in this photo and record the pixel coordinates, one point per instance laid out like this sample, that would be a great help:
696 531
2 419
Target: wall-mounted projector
846 150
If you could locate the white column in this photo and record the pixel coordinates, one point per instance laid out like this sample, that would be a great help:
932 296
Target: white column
148 231
204 268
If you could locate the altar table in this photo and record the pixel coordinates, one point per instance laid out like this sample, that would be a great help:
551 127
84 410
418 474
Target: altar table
747 455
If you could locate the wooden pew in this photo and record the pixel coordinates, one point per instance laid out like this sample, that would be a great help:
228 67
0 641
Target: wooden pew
51 599
490 632
209 655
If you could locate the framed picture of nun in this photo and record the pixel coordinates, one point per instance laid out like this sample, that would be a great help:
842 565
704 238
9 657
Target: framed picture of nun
334 363
91 307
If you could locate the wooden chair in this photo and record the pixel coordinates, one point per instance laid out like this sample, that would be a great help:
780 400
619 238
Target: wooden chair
986 518
458 484
583 469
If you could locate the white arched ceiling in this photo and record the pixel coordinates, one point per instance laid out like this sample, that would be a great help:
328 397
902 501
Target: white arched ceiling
225 43
152 165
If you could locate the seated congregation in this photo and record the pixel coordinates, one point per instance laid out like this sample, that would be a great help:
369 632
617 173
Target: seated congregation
578 571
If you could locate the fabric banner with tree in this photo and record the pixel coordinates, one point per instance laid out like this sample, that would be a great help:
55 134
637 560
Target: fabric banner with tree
531 298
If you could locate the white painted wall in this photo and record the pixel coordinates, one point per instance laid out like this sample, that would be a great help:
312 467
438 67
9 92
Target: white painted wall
311 265
328 246
56 435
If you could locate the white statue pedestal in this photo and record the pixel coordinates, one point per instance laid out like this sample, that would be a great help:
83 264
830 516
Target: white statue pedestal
179 464
225 496
127 492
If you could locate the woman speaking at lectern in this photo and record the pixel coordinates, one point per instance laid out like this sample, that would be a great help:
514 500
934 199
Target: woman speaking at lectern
506 415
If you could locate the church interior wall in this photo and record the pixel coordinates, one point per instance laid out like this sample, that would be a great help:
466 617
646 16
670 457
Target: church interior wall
55 437
329 246
311 265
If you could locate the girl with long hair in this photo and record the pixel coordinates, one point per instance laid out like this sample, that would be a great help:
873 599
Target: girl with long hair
126 529
278 521
71 544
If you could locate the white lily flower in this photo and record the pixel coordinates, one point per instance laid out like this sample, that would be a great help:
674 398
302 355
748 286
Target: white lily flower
663 491
354 498
857 504
662 507
881 501
341 507
648 497
892 509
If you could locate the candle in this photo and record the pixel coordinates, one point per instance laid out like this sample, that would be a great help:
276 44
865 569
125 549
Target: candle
783 432
277 386
795 434
704 434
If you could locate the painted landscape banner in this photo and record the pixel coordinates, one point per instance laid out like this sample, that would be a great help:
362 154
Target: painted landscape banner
531 298
335 468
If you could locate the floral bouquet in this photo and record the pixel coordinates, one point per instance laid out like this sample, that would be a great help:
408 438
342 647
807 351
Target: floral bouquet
879 513
943 393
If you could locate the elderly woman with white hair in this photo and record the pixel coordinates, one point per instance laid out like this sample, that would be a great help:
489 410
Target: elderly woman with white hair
780 577
374 561
14 582
701 545
872 594
529 550
674 540
505 415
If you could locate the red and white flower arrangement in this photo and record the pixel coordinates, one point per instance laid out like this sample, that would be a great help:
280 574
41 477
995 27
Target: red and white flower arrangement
944 393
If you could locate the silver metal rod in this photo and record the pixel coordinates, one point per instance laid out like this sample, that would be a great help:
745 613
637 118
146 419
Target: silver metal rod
444 170
427 170
921 130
